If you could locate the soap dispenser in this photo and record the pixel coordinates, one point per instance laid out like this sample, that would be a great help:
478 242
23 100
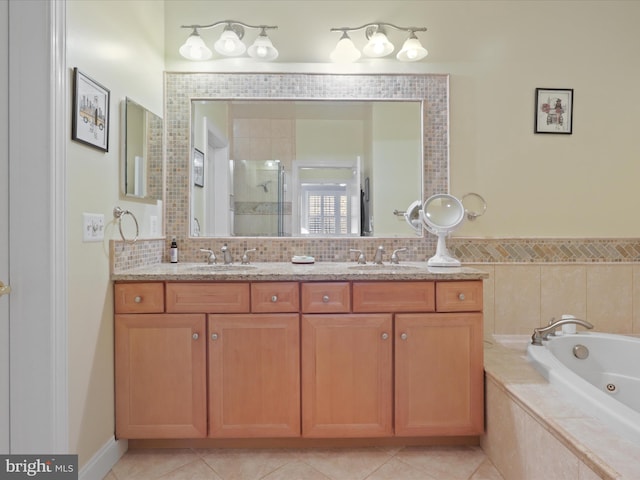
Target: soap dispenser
173 251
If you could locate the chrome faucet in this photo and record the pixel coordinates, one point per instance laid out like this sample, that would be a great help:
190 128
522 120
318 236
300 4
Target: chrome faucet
245 256
226 255
394 256
361 258
377 259
542 333
211 259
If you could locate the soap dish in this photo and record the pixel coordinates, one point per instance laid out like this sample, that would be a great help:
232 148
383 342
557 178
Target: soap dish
302 259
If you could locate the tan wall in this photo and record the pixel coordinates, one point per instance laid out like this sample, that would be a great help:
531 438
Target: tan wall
106 40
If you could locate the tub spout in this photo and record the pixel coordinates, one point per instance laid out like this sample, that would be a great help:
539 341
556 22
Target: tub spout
542 333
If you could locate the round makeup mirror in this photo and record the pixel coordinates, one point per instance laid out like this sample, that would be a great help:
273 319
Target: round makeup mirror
412 216
441 215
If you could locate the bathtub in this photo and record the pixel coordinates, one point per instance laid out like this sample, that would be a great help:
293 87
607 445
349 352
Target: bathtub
605 384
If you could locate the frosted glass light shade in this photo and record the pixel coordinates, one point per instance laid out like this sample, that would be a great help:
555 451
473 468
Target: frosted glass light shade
378 46
345 51
229 44
263 49
195 49
412 50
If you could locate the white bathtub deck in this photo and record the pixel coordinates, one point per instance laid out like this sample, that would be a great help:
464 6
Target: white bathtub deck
597 450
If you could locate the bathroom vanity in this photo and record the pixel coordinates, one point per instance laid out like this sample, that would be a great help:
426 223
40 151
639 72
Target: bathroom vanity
321 351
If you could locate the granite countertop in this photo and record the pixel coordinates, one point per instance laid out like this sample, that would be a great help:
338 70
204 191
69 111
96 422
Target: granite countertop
296 272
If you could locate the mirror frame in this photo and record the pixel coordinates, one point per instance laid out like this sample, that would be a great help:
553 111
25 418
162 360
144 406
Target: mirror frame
159 182
180 88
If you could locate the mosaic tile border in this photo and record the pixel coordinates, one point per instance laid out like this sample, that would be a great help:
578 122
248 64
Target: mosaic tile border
125 256
180 88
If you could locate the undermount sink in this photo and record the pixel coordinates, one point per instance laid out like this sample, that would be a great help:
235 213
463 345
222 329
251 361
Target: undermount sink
205 267
389 267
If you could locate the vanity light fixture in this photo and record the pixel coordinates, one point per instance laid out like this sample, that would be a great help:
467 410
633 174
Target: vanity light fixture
378 44
230 42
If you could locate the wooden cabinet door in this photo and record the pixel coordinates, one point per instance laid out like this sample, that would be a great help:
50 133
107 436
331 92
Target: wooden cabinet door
160 363
439 374
254 375
347 375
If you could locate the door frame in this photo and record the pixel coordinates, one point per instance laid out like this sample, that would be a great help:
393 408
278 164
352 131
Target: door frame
38 80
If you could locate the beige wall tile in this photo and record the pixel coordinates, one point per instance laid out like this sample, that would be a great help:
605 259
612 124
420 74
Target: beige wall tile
488 291
635 327
517 298
563 289
609 297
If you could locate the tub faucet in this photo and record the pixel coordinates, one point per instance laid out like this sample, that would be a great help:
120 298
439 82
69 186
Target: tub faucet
226 255
377 259
542 333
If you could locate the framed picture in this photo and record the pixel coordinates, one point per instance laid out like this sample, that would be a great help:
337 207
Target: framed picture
90 112
198 168
554 110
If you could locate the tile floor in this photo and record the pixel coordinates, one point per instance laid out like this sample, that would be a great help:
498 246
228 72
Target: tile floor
376 463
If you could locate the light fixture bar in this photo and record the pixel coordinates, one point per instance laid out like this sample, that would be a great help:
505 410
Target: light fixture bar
378 44
230 42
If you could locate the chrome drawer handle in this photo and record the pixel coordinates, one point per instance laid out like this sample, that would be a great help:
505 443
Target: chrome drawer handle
214 336
138 299
385 336
325 299
195 336
461 296
274 299
403 336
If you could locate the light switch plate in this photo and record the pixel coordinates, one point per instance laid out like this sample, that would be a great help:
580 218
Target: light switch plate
92 227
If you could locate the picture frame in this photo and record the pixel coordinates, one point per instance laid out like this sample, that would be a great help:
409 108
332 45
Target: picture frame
198 168
554 111
91 102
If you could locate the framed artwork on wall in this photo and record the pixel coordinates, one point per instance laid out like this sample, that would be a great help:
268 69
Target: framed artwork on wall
198 168
554 110
90 112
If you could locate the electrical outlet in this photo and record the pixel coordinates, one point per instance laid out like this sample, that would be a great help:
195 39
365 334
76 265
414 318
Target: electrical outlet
92 227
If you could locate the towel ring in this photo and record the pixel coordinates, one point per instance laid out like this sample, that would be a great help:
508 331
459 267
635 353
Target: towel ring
119 213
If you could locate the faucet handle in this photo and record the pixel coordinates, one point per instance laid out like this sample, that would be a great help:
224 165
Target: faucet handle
245 256
395 259
211 259
361 258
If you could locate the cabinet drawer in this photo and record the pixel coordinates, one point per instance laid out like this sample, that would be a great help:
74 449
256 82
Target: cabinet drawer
139 297
271 297
208 297
459 296
393 297
326 297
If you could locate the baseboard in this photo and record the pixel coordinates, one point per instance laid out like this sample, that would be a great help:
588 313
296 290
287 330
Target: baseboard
104 459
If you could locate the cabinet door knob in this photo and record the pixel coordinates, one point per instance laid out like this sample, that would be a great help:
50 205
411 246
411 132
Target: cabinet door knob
403 336
385 336
195 336
325 299
461 296
138 299
274 298
214 336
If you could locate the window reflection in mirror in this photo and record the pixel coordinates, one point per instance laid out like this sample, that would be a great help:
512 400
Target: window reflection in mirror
306 167
142 163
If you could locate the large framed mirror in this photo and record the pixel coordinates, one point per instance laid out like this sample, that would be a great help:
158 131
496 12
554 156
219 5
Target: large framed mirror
142 165
186 92
305 168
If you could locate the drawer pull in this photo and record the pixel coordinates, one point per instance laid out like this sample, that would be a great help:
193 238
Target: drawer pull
274 298
195 336
403 336
385 336
214 336
138 299
325 299
461 297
